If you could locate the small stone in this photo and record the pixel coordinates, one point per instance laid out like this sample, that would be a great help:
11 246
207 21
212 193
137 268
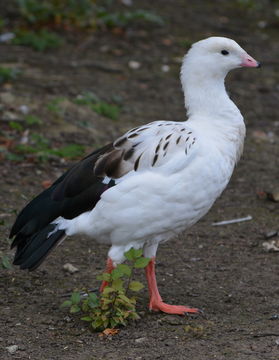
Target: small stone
165 68
12 349
24 109
7 98
277 342
273 195
134 64
10 116
140 340
271 234
262 24
274 317
6 37
70 268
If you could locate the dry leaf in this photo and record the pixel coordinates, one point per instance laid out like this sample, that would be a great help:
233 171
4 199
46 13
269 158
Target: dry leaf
109 332
272 245
46 184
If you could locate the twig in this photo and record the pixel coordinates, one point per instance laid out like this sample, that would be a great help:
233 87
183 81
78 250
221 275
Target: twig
232 221
266 334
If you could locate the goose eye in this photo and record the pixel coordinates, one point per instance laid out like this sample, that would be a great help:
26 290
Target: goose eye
224 52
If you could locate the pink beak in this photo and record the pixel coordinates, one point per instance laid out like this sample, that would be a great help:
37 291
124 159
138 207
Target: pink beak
248 61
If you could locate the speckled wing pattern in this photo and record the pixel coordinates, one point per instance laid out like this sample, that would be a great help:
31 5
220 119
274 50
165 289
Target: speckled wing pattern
81 187
145 147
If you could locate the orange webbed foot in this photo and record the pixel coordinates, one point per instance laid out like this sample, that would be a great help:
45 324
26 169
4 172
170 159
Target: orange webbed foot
172 309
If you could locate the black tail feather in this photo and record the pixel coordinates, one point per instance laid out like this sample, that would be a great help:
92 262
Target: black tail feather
32 251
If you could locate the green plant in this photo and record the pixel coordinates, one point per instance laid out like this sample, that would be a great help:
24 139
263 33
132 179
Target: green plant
114 306
103 108
55 105
122 19
15 125
41 148
82 13
107 110
5 262
68 151
8 74
40 40
32 120
86 98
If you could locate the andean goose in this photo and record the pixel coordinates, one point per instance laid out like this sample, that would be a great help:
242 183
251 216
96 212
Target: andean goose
151 183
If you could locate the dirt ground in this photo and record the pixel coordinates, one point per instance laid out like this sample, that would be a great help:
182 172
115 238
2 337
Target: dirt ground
223 270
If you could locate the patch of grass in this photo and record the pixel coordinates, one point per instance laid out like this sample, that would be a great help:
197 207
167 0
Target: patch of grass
82 14
103 108
32 120
107 110
8 74
55 106
114 307
41 40
86 98
15 126
123 19
69 151
41 148
185 43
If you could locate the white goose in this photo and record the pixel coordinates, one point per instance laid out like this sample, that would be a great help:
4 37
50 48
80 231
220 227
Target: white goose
151 183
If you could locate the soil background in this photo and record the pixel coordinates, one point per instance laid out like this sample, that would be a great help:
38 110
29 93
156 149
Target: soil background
223 270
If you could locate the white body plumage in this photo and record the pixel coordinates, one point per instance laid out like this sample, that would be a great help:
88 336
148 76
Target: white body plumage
173 187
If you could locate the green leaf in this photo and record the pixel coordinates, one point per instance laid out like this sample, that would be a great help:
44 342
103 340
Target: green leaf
66 303
117 284
133 254
6 262
136 286
125 269
141 262
97 323
129 255
86 318
116 274
107 290
75 297
93 297
74 309
32 120
124 298
92 300
106 301
104 277
138 253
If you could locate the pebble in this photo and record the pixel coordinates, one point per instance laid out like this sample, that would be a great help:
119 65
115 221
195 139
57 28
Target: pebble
165 68
12 349
6 37
140 340
24 109
271 234
134 64
10 116
7 98
274 195
70 268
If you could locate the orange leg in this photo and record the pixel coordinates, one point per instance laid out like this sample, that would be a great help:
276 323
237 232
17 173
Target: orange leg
156 303
109 268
